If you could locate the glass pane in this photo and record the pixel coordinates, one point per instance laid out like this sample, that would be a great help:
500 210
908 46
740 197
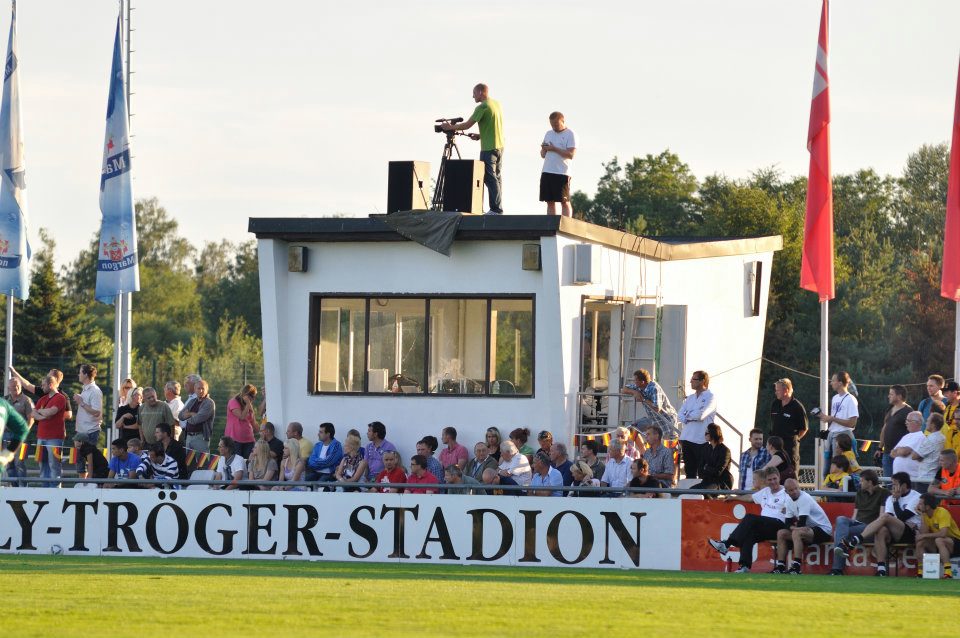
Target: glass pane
397 345
458 345
340 356
511 347
595 348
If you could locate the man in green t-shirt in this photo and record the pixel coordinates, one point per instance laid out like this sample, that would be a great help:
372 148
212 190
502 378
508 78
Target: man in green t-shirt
489 118
14 430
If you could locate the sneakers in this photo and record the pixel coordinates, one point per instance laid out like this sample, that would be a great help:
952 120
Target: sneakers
841 551
719 546
794 569
835 572
743 570
779 569
853 541
881 572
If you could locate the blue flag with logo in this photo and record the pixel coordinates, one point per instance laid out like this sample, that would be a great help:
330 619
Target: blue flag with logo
14 245
117 269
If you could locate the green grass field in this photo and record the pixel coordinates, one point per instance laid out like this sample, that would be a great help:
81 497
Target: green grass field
79 596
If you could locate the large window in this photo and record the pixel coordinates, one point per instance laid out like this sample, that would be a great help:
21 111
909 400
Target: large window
422 345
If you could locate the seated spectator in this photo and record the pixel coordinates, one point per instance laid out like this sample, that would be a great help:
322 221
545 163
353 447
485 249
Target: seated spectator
425 448
839 476
456 477
481 461
122 463
659 458
492 477
420 474
754 529
583 477
163 434
898 523
353 467
640 472
780 459
630 448
453 453
807 524
295 432
326 455
938 533
588 452
947 485
230 465
559 460
513 464
754 457
520 436
157 465
268 432
928 452
290 465
617 471
544 440
843 445
866 509
714 470
96 464
260 466
544 477
493 440
377 447
135 447
392 472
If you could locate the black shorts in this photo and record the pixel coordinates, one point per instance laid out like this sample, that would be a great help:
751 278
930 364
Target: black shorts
909 536
820 536
955 549
554 187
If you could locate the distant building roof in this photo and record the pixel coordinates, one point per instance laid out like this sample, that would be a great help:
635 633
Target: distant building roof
512 227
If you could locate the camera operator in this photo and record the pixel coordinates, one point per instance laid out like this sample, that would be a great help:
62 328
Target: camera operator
489 118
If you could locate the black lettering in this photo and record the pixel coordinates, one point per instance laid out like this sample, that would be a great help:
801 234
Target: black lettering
26 523
254 527
530 536
183 528
294 528
114 525
80 522
442 537
200 531
506 534
399 518
632 547
363 530
586 537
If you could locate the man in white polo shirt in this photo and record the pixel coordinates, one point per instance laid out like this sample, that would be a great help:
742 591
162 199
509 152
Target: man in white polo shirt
753 529
844 412
89 410
558 148
808 525
617 470
695 414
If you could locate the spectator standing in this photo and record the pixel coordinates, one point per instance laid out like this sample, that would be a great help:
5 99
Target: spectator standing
659 412
894 426
377 447
89 408
241 419
127 421
557 150
902 453
123 395
753 458
171 394
453 453
513 464
935 384
482 460
190 387
48 413
696 412
197 418
23 406
951 429
788 419
928 451
152 413
844 412
866 509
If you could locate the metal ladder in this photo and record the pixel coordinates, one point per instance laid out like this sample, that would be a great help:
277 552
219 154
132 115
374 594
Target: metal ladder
641 345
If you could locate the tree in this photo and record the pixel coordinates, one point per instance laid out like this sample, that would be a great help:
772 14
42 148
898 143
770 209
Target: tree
228 281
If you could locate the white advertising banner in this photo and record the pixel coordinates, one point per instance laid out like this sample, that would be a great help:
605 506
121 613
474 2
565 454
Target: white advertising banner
456 529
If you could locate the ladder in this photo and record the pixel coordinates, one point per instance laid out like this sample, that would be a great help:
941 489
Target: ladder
642 341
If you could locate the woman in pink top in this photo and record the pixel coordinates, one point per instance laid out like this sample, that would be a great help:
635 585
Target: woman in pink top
241 420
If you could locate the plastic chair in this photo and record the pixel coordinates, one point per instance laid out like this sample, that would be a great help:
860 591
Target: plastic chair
201 475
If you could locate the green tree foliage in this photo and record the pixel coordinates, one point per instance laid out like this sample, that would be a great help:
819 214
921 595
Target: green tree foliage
228 281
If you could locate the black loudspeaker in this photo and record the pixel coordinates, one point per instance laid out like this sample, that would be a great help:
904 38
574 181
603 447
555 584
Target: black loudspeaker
407 186
463 186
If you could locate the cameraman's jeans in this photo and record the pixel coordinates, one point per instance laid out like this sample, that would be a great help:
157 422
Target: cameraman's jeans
50 465
17 468
492 163
828 452
844 528
887 462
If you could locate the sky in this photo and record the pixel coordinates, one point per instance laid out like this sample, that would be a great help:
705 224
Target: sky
294 108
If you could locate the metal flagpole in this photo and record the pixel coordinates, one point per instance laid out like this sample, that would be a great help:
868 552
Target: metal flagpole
9 349
824 384
126 315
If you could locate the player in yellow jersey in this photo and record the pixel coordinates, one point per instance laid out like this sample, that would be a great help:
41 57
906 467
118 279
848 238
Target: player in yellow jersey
938 533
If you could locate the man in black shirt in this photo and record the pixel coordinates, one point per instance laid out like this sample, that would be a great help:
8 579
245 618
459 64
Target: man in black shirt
788 419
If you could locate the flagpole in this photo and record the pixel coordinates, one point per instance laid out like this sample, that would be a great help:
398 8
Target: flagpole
117 354
127 315
9 344
824 384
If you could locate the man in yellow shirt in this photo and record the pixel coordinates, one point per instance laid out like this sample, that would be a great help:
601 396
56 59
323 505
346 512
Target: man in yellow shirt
950 431
938 533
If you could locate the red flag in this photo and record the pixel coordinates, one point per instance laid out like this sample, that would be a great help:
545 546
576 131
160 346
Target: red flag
950 280
816 270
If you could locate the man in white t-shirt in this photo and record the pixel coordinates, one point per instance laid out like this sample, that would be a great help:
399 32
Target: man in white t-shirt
807 525
844 412
558 148
928 452
898 523
230 466
754 529
902 454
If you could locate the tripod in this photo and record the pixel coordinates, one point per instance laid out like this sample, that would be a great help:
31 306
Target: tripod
440 186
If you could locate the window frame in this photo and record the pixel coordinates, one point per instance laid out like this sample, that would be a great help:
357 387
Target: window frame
313 343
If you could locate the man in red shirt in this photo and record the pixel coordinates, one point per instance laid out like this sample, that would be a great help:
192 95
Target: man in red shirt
419 474
48 413
392 472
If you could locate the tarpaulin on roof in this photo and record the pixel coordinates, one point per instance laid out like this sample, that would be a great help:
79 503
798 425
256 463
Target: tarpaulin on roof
432 229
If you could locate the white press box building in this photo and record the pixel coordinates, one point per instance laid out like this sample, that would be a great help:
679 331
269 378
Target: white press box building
531 321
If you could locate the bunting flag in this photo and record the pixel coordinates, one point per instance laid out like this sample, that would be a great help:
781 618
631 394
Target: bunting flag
23 452
865 445
72 458
606 439
202 461
213 462
38 454
117 269
191 454
816 269
14 244
950 276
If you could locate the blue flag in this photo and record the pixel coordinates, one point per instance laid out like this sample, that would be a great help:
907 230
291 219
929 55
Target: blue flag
14 245
117 269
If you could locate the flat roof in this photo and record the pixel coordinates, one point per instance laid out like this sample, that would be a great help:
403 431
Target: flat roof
513 227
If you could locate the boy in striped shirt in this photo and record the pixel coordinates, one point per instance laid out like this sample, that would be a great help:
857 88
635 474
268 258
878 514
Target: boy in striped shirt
157 464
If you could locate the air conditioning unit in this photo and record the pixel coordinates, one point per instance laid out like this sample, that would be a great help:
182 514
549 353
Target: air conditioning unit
586 264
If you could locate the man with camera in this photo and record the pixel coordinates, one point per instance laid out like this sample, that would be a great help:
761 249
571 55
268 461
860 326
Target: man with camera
489 118
558 148
844 412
